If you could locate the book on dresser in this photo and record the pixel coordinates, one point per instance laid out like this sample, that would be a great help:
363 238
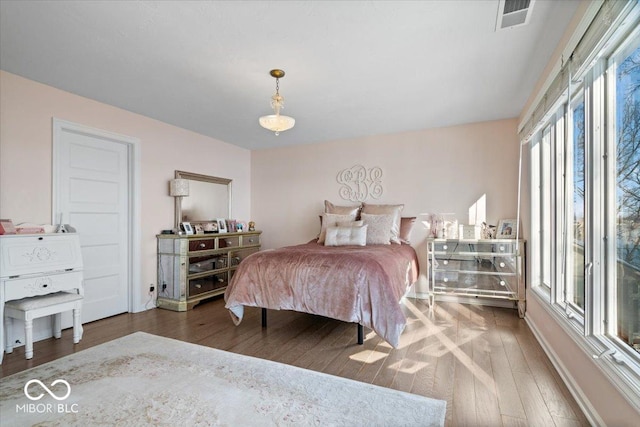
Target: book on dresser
192 268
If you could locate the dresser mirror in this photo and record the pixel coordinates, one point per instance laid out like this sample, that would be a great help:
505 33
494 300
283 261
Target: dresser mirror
209 198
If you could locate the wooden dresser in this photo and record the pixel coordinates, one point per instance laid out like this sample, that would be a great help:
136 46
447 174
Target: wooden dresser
197 267
38 264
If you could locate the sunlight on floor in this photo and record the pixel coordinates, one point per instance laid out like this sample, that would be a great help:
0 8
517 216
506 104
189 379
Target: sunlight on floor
454 348
368 356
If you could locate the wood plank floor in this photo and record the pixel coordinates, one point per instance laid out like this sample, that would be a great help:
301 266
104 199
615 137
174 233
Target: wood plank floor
483 361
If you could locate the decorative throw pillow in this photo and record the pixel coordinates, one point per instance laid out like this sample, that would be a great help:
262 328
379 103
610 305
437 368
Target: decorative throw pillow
379 228
341 210
406 225
384 210
330 220
344 236
349 223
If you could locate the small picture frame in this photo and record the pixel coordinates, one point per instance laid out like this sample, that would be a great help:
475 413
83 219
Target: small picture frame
507 229
231 226
222 225
186 227
199 229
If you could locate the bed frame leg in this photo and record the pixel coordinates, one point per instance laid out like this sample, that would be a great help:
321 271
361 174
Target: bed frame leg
360 334
264 317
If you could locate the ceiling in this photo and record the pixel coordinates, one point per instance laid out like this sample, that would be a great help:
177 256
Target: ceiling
353 68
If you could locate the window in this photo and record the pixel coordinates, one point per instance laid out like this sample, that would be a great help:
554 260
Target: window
624 187
576 212
585 207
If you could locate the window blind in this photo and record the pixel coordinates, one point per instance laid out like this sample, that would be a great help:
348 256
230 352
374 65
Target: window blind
607 22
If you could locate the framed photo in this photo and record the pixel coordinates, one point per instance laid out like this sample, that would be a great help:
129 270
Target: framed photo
199 229
186 227
507 229
222 225
231 226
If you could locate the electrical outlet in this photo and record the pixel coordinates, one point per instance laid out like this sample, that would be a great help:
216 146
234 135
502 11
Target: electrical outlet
152 288
164 287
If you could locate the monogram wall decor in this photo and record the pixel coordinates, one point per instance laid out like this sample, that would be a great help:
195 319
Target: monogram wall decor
357 183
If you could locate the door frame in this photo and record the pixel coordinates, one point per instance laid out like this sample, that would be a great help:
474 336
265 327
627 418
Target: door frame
134 297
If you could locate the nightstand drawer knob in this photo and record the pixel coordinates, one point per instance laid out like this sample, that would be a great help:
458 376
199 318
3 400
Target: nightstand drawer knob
445 262
250 240
202 245
198 285
501 248
445 247
229 242
502 283
446 279
502 264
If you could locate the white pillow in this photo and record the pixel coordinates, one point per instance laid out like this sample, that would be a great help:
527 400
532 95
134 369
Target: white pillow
349 223
387 209
330 220
379 228
344 236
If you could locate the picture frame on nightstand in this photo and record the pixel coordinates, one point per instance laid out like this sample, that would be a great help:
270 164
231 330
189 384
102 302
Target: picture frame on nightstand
507 229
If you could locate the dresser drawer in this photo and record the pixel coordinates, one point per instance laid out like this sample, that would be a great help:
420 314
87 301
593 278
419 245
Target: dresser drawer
251 240
201 245
228 242
207 284
236 257
202 264
41 285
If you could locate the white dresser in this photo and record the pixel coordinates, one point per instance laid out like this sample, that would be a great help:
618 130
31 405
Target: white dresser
37 264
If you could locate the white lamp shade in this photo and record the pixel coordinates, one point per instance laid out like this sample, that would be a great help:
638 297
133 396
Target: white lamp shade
277 123
179 187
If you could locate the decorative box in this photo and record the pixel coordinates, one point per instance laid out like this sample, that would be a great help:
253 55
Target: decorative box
470 232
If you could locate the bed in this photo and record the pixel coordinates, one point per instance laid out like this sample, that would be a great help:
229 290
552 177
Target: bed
362 284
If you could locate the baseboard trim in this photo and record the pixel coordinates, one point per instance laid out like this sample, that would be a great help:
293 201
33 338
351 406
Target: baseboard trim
583 402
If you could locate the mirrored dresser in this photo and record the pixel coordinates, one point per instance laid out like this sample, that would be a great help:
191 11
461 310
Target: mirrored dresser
192 268
485 271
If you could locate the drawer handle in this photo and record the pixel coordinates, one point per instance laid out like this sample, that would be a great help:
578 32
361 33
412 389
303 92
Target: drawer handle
202 245
445 280
502 248
502 264
198 286
445 262
229 242
250 240
445 247
44 285
502 283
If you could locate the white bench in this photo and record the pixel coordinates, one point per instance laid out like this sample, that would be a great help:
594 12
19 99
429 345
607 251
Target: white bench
30 308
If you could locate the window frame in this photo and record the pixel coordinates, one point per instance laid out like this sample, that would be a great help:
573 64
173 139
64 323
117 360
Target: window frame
595 329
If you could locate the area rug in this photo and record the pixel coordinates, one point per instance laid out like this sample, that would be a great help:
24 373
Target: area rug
143 379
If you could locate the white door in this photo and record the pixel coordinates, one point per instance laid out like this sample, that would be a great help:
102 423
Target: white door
91 194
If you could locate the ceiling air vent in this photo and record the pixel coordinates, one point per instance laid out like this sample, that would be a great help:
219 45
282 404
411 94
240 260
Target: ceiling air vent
512 13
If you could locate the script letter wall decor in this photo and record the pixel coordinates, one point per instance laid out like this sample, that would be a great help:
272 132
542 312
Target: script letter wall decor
357 183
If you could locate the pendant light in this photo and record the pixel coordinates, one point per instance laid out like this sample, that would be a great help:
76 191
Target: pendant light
275 122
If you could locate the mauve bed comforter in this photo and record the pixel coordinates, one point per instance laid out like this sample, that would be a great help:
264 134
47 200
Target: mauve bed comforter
361 284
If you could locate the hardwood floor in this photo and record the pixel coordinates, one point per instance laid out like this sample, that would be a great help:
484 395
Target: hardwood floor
483 361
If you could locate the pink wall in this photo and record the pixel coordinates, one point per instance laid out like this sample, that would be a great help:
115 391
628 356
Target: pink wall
26 112
435 170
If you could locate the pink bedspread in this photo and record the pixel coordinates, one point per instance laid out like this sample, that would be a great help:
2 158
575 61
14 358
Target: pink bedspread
361 284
